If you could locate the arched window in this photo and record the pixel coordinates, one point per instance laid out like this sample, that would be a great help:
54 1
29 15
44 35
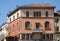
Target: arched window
46 14
27 24
47 24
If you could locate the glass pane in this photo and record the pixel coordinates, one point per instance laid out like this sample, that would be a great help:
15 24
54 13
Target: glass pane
43 36
51 36
47 36
27 36
23 36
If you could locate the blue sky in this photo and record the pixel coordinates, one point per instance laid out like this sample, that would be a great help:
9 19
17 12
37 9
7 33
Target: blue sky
9 5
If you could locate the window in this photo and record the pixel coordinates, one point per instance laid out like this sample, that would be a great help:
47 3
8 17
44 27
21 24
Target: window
27 14
27 24
47 36
10 19
27 36
17 15
51 36
23 36
13 17
31 36
46 24
46 14
56 20
34 14
43 36
39 14
57 28
37 25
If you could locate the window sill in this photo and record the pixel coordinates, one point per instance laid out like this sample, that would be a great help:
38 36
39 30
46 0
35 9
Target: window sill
28 28
47 28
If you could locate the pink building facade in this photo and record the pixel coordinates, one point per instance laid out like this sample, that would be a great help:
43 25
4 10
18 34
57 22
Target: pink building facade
33 22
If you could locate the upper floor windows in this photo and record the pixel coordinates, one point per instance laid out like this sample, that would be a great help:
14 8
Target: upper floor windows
10 19
57 28
47 25
46 14
27 24
34 14
27 14
56 20
13 17
17 15
37 14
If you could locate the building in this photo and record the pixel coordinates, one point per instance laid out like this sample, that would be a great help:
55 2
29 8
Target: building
57 25
33 22
3 31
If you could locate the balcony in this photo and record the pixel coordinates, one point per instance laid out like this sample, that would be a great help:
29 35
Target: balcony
37 30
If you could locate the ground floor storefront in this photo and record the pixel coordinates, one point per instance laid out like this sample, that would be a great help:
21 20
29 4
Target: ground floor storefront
32 37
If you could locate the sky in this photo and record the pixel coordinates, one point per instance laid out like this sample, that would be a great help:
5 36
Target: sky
10 5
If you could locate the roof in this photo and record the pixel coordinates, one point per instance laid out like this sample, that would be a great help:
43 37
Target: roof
38 5
3 24
57 14
31 6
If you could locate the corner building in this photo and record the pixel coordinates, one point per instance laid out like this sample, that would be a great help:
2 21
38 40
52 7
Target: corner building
57 25
33 22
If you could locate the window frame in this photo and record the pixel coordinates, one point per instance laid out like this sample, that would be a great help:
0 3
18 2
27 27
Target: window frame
47 25
14 17
25 37
27 24
10 19
27 13
56 20
37 25
48 36
57 28
39 14
17 15
46 13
